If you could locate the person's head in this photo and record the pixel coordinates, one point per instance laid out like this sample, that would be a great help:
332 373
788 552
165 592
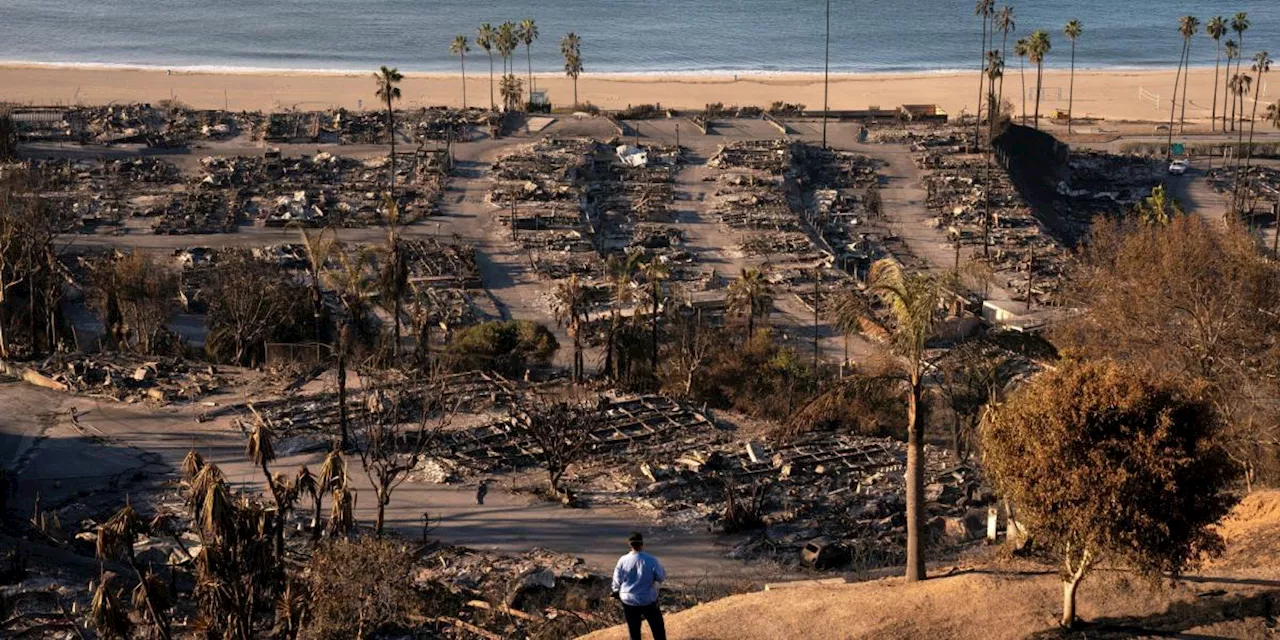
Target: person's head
636 541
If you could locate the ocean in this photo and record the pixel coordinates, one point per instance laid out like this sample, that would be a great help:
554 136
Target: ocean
640 36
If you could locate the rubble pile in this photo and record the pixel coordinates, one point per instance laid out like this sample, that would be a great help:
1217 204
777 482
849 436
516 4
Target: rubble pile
1022 251
107 191
317 415
631 186
125 378
542 190
845 491
1104 184
634 426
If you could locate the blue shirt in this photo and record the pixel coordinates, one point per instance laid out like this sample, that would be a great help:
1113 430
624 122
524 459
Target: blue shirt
636 577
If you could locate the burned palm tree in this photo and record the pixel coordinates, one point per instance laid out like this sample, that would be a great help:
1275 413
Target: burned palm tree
107 615
751 295
655 273
388 92
306 482
571 310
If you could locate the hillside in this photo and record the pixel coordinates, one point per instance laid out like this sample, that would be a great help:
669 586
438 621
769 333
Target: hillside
1232 597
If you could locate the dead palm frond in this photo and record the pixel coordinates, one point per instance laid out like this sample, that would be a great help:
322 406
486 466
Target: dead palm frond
260 448
307 482
157 590
292 608
116 535
217 514
191 465
209 476
333 472
107 615
342 517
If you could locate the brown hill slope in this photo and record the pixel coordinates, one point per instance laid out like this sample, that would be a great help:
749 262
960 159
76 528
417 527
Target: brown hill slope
1237 596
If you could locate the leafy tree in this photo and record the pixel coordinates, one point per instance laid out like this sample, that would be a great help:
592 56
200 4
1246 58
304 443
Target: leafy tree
509 347
1159 208
1186 299
1106 462
135 297
251 302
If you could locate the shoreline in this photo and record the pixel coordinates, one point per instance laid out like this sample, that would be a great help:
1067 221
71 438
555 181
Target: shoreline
1128 94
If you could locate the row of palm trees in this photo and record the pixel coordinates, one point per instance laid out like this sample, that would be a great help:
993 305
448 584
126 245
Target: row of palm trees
1033 48
505 39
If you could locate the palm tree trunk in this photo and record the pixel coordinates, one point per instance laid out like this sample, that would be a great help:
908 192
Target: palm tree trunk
492 104
1071 92
342 399
575 90
529 58
915 486
1039 82
391 133
1253 118
982 73
463 57
1022 70
1186 77
1004 44
1173 104
1213 117
653 358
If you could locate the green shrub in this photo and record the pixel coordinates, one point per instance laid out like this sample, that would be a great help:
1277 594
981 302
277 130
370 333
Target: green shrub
508 348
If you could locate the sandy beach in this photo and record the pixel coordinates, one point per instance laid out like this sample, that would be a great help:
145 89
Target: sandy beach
1110 94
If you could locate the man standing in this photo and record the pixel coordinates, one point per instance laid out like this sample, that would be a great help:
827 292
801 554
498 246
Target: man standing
481 491
635 583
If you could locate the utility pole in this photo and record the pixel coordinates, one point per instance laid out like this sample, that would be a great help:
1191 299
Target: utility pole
1031 273
826 78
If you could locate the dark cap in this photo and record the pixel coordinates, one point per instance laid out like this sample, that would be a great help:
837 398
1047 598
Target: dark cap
635 538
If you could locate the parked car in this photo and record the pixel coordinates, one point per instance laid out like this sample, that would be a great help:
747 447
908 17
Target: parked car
1178 167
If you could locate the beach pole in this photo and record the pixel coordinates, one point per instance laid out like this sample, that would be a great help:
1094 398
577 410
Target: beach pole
826 78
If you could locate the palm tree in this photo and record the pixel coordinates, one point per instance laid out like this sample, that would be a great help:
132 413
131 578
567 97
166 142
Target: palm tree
983 9
1023 48
1232 51
1261 65
388 91
752 296
348 279
1037 48
570 307
1239 24
620 270
306 482
507 40
654 273
912 300
849 311
511 88
1190 25
527 32
1273 114
459 48
393 278
1072 31
1216 27
1005 23
1187 26
571 49
485 39
994 72
318 249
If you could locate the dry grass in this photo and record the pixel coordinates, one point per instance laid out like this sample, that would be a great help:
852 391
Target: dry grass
1230 598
